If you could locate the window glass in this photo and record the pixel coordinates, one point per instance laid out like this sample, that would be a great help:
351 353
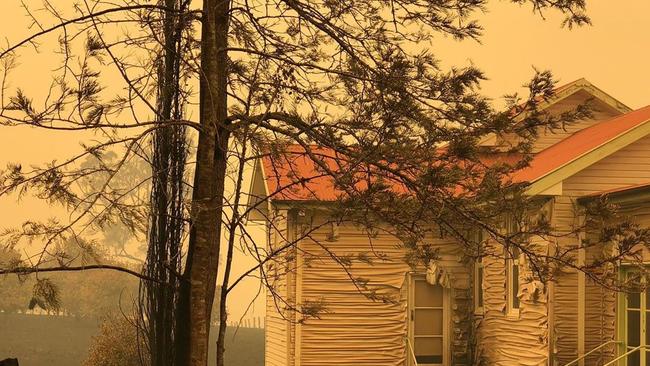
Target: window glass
633 300
515 286
427 295
634 359
633 327
513 278
479 285
428 350
428 322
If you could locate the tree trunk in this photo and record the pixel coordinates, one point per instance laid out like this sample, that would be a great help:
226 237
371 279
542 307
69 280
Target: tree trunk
159 299
207 197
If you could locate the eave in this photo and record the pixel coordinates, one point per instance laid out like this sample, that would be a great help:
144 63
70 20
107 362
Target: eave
588 158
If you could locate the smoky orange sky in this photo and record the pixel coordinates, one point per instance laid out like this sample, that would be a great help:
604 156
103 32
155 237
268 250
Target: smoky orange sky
613 54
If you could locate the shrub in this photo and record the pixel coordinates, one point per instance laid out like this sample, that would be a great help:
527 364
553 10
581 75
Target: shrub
117 344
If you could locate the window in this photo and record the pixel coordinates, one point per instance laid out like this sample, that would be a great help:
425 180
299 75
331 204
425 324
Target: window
636 319
478 286
512 271
428 322
478 275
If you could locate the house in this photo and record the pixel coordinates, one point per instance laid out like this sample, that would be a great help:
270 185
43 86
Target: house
460 313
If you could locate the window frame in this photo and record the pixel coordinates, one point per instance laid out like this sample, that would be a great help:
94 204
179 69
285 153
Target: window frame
479 272
513 303
622 317
479 300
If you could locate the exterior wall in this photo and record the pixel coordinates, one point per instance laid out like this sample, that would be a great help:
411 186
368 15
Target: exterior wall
507 339
600 303
642 215
353 329
565 292
600 318
628 166
278 326
600 322
637 212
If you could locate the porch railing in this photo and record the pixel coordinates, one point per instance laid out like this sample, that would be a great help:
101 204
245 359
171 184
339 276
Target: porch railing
575 362
410 351
612 362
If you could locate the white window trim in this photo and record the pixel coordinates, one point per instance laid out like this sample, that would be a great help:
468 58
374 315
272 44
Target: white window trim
479 309
510 262
479 266
511 310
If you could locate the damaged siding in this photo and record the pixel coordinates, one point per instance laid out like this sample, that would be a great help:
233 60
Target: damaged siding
628 166
565 294
355 330
506 339
600 303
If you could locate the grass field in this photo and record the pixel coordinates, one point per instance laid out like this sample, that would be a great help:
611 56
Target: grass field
62 341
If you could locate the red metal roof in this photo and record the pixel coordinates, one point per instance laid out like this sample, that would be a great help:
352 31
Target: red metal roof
294 176
580 143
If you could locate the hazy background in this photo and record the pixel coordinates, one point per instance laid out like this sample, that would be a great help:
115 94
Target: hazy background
613 54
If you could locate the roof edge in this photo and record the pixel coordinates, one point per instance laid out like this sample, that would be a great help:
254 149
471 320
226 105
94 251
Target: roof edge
585 84
566 90
588 158
573 87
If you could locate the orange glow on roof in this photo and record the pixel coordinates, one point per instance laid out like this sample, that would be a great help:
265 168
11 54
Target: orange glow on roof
294 176
580 143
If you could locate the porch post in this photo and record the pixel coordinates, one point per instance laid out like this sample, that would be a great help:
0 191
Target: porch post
581 300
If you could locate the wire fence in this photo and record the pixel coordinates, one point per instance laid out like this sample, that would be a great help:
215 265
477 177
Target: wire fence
252 322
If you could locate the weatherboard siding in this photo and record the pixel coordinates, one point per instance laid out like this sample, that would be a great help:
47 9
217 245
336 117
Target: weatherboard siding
639 213
600 317
355 330
504 339
565 290
277 324
628 166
